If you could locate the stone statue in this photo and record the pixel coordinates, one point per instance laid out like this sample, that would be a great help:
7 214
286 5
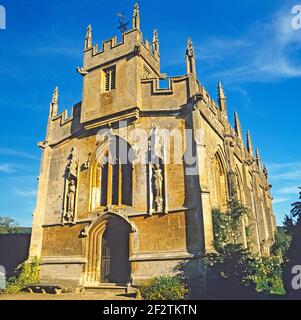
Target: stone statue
158 187
70 193
70 201
72 165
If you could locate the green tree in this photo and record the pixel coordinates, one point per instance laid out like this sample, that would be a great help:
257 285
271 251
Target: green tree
8 225
296 209
26 273
234 272
283 240
230 271
225 225
293 257
164 288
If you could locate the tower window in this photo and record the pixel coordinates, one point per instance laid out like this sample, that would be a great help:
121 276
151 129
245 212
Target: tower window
110 78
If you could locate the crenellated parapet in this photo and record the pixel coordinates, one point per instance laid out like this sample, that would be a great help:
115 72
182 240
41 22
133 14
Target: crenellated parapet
61 126
172 98
111 50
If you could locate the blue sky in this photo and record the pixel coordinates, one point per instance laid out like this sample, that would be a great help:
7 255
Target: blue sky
248 45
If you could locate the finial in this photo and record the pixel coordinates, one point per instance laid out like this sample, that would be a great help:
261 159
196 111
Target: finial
221 92
88 39
237 125
222 98
190 58
265 172
136 9
136 17
249 144
55 95
257 154
156 41
190 49
258 159
54 103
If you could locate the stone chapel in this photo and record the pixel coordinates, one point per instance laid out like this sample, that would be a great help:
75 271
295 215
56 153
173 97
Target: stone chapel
117 201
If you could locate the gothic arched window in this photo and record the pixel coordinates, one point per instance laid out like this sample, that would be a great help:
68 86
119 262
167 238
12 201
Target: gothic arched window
112 177
220 182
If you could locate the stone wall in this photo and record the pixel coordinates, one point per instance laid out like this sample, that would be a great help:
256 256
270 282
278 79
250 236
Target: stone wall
14 249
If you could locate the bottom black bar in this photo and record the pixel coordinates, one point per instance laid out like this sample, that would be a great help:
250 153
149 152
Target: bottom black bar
135 309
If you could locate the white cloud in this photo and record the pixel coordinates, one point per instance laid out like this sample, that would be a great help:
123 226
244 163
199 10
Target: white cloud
25 192
54 50
17 153
284 165
290 175
280 200
6 168
290 171
289 190
267 52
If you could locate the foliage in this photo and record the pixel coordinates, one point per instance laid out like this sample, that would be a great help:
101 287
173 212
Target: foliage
26 273
282 243
164 288
6 221
292 225
226 224
235 271
296 209
8 226
289 225
232 262
268 275
248 232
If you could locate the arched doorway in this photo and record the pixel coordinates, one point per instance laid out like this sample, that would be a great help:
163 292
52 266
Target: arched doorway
115 267
108 251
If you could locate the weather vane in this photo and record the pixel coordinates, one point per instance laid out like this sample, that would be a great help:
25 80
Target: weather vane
123 22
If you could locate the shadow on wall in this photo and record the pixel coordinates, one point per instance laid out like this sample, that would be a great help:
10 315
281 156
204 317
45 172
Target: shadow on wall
14 249
192 273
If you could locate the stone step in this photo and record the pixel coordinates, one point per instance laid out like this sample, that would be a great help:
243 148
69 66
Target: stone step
109 288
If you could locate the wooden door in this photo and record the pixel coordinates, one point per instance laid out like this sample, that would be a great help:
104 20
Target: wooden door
105 260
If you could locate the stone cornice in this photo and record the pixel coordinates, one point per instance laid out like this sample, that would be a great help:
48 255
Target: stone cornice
130 114
159 256
64 260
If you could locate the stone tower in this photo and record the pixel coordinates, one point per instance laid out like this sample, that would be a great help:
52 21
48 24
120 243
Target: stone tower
128 182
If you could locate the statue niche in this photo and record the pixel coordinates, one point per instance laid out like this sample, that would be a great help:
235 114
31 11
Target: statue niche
158 187
71 175
156 172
